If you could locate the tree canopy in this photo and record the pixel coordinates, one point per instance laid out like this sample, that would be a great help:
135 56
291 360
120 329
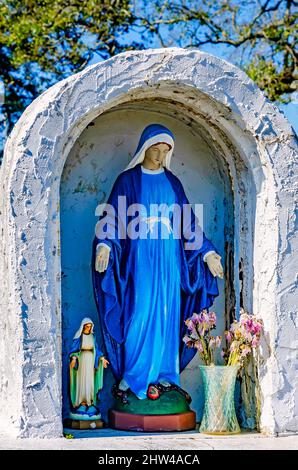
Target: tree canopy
44 41
264 33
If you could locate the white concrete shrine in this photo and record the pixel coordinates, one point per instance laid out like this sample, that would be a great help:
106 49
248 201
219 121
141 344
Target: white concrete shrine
236 154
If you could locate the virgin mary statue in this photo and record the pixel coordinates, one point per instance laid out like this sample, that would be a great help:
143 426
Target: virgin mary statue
146 286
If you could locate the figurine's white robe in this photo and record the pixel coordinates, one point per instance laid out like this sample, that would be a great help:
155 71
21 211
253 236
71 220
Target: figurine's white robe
85 374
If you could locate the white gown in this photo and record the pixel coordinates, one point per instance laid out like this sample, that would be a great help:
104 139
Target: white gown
85 374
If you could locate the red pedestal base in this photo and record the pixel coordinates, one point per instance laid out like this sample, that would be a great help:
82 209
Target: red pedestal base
150 423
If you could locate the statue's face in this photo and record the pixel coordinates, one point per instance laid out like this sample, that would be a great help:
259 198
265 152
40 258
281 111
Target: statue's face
157 153
87 328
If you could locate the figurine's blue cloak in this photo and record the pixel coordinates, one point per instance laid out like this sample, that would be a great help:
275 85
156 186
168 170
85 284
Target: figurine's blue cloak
117 290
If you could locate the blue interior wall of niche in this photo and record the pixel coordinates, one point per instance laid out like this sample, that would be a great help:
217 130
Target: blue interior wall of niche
102 151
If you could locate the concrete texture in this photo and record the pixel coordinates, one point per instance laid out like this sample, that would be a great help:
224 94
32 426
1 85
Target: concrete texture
120 440
255 145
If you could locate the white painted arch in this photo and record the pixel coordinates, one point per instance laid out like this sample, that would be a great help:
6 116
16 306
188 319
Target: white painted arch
259 148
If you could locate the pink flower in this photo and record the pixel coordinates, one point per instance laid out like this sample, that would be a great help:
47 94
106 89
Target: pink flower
189 324
243 336
194 335
229 336
245 351
246 322
247 336
195 318
186 339
202 317
257 328
201 330
211 318
198 345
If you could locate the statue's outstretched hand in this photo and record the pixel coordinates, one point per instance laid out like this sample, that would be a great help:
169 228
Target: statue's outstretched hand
73 362
105 362
102 259
214 264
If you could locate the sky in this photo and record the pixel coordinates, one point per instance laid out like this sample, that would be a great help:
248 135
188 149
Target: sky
291 112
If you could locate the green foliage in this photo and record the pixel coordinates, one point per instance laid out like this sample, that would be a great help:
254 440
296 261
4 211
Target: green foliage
265 74
264 34
43 41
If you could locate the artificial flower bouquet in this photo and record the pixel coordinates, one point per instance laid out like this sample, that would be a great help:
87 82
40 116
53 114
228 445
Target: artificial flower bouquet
242 337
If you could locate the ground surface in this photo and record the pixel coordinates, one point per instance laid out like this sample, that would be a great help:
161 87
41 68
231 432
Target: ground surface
108 439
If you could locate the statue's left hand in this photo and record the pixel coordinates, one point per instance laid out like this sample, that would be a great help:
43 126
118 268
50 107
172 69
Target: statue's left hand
105 362
102 258
73 362
214 264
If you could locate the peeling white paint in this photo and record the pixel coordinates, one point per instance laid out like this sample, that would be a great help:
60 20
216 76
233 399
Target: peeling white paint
258 147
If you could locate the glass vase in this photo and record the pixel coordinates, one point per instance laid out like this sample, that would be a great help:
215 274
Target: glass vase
219 416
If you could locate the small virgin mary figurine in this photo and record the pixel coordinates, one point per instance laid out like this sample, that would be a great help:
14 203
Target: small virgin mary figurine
86 371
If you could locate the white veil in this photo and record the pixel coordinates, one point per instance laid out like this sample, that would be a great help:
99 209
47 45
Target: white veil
80 330
161 137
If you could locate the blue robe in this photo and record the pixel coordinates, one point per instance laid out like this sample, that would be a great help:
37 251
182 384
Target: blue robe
150 287
156 309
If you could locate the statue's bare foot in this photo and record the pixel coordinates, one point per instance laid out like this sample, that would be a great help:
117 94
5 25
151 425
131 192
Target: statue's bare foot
164 382
123 385
120 394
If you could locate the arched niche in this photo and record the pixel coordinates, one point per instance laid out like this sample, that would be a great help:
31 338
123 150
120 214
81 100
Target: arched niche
103 149
253 151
